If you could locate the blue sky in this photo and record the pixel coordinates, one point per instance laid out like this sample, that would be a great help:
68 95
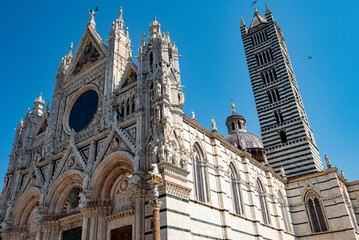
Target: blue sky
36 34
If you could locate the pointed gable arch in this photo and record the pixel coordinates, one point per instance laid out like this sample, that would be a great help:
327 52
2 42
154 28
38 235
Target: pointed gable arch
130 75
42 127
90 50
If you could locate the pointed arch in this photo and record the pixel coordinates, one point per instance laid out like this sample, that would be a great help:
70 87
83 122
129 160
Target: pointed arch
200 174
236 189
315 211
263 202
116 165
25 207
60 190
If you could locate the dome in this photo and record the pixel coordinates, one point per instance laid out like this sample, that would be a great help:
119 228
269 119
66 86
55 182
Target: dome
241 139
244 140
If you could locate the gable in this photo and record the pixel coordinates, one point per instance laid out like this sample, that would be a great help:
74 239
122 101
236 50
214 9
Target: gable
42 127
89 55
130 76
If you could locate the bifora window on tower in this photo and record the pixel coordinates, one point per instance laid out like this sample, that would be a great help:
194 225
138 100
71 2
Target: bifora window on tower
83 110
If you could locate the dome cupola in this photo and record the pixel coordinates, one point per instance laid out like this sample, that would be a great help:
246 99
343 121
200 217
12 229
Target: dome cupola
240 138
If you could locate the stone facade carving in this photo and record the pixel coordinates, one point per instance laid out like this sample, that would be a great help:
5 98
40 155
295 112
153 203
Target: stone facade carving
96 178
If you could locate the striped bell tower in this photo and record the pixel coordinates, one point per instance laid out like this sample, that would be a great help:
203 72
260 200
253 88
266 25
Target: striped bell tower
287 136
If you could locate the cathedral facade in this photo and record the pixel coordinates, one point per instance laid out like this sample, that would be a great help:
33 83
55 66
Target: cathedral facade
115 157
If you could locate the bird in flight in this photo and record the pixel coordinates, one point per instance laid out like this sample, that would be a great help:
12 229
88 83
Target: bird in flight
255 1
309 57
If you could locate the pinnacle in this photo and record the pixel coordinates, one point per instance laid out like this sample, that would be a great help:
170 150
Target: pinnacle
267 9
242 22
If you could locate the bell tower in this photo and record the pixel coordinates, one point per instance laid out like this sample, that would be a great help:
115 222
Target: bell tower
287 136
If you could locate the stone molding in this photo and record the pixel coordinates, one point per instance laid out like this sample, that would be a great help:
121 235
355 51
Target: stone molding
120 215
177 190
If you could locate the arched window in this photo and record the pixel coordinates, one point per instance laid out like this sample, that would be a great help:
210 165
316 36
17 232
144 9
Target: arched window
236 190
283 136
200 176
284 210
315 212
151 60
134 104
263 202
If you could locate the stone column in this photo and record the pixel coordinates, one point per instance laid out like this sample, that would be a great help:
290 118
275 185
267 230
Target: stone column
137 200
85 221
156 205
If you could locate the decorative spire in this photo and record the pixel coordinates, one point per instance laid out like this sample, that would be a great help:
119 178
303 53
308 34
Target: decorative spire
39 105
39 99
70 49
155 28
120 13
120 19
267 10
242 22
127 32
143 43
256 11
168 37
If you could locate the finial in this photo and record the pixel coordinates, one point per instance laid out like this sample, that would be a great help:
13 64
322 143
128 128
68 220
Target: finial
233 106
120 13
255 11
71 48
193 114
127 33
92 19
143 43
327 160
168 37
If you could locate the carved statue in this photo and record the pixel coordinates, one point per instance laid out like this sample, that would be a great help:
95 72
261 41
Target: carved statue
154 168
92 13
37 215
8 214
154 155
83 199
159 89
214 127
193 114
134 181
184 163
161 153
169 154
327 160
43 193
175 159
